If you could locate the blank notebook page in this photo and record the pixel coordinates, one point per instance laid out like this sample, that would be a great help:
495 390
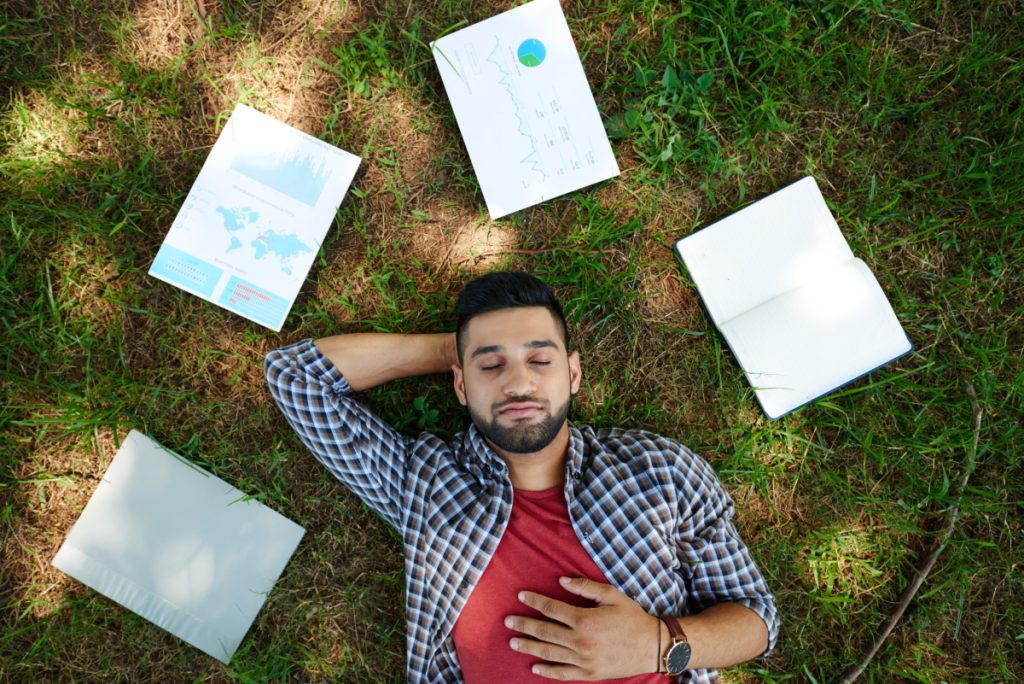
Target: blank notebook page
178 546
749 257
811 340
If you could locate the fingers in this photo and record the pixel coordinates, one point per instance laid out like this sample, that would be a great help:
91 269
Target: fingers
549 607
595 591
548 652
542 630
577 643
561 672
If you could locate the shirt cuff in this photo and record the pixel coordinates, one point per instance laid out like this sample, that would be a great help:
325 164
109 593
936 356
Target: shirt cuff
768 613
307 362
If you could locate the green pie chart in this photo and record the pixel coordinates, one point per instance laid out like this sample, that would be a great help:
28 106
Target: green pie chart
531 52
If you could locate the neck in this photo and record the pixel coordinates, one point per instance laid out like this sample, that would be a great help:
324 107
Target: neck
539 470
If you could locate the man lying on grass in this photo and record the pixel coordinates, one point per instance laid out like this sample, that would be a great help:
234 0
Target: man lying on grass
534 548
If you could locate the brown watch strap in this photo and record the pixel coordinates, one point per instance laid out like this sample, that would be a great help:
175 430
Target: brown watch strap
675 630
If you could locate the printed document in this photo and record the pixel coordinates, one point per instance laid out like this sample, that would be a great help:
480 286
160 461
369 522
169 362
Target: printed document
255 217
524 107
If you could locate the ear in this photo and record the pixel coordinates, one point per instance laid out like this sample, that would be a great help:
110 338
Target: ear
459 382
575 372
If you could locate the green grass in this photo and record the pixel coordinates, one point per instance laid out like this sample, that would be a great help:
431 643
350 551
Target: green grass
907 113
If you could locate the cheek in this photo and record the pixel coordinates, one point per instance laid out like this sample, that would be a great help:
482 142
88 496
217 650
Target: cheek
559 388
475 392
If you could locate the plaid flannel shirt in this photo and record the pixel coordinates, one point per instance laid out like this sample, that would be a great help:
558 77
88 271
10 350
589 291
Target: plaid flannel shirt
651 513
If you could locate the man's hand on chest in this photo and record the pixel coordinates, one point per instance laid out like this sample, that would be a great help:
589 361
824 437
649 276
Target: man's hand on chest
616 638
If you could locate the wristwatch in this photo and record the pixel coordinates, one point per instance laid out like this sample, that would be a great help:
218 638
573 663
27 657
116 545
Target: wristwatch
677 654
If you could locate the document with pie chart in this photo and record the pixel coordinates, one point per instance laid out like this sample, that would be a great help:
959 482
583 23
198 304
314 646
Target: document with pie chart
524 107
253 222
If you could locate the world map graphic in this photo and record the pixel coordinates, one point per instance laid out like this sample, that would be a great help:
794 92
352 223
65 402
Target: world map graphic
242 225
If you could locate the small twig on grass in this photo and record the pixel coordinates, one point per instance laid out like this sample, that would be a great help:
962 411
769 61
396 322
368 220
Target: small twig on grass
200 14
940 543
446 261
292 30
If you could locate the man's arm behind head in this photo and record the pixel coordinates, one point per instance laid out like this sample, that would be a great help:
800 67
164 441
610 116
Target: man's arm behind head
370 359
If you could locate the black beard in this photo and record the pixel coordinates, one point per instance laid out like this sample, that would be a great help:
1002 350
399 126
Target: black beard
522 439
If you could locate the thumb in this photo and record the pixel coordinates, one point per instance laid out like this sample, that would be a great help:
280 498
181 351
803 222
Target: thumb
595 591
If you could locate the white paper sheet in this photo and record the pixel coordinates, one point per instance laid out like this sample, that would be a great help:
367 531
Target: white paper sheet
524 107
178 546
255 217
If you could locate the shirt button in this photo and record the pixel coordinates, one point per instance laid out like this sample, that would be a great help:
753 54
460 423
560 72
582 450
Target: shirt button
576 475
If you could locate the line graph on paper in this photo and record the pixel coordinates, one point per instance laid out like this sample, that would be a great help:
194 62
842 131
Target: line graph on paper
541 124
531 161
524 107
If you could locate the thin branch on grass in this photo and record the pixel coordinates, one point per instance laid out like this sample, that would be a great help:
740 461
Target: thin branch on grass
292 30
446 261
925 567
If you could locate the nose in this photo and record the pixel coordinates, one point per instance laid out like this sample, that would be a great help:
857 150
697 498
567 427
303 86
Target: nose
518 381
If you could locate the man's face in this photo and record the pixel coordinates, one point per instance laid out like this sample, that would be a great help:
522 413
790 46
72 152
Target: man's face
517 378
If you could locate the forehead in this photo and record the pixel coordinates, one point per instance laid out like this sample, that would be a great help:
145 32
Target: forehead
513 328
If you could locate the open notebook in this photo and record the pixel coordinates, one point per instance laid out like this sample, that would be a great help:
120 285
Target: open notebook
801 313
178 546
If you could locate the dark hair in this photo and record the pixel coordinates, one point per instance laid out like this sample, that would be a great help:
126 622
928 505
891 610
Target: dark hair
505 290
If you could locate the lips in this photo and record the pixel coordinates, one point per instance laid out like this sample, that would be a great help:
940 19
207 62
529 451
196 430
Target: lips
520 410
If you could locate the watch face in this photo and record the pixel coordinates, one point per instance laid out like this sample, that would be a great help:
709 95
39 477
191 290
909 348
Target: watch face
678 658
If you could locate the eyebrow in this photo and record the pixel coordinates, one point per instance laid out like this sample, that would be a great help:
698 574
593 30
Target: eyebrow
496 348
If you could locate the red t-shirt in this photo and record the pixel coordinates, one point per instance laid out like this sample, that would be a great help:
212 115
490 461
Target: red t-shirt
538 547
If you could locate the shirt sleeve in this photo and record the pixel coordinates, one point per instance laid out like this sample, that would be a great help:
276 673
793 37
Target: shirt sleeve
721 567
366 454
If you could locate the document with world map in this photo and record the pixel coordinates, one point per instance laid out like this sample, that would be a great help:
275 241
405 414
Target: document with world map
255 218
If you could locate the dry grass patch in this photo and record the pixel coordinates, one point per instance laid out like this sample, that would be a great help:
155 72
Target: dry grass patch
57 477
418 137
162 31
763 516
403 145
479 246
